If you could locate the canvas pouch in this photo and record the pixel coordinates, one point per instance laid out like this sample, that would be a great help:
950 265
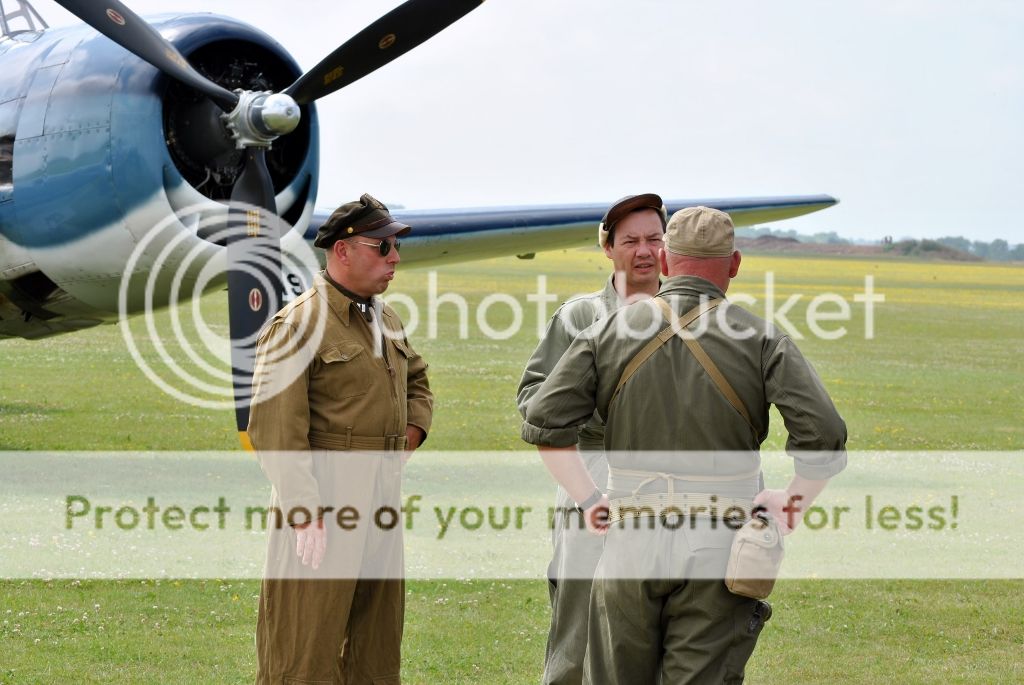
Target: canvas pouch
755 559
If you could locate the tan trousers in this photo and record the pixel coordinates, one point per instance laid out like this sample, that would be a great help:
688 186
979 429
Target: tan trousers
341 624
330 631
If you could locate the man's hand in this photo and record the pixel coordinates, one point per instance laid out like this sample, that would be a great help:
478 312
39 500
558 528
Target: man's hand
311 543
788 506
566 465
782 507
413 438
596 517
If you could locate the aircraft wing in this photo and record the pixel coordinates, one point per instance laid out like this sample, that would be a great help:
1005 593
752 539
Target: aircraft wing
445 236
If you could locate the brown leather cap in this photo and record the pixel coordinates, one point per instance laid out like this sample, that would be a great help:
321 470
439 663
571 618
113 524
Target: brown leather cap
366 216
624 206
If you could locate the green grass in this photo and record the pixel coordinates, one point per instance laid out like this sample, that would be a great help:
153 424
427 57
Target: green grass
943 372
464 633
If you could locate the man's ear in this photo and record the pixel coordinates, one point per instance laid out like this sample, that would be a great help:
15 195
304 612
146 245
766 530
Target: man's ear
734 266
663 258
340 250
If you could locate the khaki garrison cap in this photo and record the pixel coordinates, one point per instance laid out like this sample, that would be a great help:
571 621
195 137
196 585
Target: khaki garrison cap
700 232
366 216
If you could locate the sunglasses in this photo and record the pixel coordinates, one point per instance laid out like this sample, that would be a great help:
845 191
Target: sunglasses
383 247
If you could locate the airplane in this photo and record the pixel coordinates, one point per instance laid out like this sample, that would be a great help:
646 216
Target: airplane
206 127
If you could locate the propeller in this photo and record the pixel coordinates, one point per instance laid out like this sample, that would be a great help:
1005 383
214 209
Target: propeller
391 36
255 289
255 120
118 23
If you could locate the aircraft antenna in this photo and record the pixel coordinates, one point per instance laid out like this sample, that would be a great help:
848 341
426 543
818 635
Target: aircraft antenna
25 12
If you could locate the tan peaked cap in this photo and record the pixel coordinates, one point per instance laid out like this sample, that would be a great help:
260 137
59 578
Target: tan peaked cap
700 232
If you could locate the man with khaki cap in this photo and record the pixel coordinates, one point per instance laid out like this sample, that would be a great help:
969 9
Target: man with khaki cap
339 400
681 430
630 234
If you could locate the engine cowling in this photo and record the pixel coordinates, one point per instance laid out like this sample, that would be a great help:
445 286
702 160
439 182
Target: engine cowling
106 150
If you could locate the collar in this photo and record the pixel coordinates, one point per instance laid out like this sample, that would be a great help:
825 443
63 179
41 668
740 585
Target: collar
364 305
690 286
611 298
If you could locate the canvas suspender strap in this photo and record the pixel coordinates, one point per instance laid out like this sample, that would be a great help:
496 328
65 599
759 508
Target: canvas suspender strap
644 354
709 365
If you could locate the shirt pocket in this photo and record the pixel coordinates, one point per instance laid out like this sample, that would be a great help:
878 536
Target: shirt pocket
400 362
346 370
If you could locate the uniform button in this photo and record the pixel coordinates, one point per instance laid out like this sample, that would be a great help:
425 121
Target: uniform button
344 357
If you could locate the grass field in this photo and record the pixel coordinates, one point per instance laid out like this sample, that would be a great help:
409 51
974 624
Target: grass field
943 371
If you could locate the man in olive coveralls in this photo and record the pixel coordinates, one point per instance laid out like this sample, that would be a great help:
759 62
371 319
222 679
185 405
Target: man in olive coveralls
631 236
659 610
339 399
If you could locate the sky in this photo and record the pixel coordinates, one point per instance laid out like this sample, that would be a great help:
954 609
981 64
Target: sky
908 111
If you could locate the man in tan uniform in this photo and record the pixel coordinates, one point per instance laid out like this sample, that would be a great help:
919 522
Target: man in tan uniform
660 611
631 236
339 396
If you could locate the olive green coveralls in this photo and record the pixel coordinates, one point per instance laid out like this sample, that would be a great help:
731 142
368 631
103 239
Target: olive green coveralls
659 609
575 551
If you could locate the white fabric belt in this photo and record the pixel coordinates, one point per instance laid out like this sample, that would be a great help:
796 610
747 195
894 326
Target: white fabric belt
680 505
634 481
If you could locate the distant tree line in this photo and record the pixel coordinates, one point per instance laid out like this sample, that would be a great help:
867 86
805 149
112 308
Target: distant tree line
830 238
998 250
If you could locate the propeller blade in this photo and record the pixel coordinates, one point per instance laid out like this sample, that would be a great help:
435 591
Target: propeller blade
255 288
118 23
391 36
254 186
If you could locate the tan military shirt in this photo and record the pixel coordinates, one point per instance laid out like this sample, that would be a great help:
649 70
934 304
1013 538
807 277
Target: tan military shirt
346 389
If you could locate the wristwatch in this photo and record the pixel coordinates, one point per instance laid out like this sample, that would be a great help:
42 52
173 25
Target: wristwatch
594 498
